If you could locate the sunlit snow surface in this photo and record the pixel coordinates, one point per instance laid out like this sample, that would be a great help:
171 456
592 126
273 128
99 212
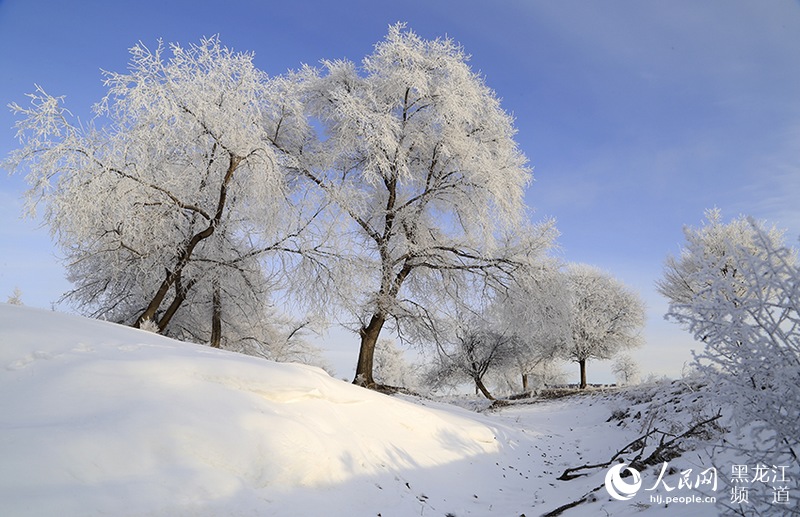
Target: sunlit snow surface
99 419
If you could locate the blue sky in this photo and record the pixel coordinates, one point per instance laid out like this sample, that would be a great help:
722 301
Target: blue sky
636 115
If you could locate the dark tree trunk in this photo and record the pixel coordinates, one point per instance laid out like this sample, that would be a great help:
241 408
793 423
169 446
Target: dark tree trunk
479 385
185 255
180 296
524 382
366 354
582 362
216 316
150 312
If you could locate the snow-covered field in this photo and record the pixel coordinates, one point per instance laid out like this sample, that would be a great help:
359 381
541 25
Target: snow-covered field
99 419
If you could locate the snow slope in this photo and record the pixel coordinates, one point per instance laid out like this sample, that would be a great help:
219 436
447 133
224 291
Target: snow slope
99 419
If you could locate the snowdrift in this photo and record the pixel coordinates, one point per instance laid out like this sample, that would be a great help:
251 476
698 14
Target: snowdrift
101 419
98 419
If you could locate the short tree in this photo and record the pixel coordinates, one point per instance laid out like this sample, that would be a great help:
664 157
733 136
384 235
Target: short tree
15 298
605 316
475 353
392 368
736 288
535 310
517 328
545 374
167 212
422 167
626 370
279 338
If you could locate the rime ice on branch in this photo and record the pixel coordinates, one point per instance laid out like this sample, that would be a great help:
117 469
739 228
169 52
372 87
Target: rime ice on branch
421 163
173 212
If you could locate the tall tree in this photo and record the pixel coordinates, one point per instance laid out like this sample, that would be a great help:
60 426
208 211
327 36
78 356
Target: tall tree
421 163
605 316
172 204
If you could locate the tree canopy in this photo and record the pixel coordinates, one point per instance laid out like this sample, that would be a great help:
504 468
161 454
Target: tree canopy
420 162
166 211
385 193
605 316
736 288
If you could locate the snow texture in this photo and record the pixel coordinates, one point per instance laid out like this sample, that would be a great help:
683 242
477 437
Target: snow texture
100 419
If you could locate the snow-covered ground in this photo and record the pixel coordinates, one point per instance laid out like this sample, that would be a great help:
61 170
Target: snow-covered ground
100 419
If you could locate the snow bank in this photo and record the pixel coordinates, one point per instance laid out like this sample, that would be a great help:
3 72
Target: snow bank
100 419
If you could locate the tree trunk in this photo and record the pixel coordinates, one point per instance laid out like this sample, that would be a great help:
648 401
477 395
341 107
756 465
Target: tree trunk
186 253
582 362
366 354
150 312
524 382
479 385
216 316
180 296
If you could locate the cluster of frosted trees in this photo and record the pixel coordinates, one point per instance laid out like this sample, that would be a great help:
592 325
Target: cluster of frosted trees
736 288
385 194
550 314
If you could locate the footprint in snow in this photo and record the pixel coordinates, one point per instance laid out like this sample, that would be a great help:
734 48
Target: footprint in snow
20 364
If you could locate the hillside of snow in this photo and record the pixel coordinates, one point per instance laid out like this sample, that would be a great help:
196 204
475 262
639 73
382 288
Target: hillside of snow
100 419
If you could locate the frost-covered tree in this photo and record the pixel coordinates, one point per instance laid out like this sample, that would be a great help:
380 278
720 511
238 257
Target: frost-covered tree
391 366
720 243
420 162
168 203
605 316
736 288
519 328
626 370
545 374
277 337
536 310
15 298
476 352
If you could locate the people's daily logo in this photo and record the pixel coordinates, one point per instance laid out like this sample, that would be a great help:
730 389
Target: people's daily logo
617 487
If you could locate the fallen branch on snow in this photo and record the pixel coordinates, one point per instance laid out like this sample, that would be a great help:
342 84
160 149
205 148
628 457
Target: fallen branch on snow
666 450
